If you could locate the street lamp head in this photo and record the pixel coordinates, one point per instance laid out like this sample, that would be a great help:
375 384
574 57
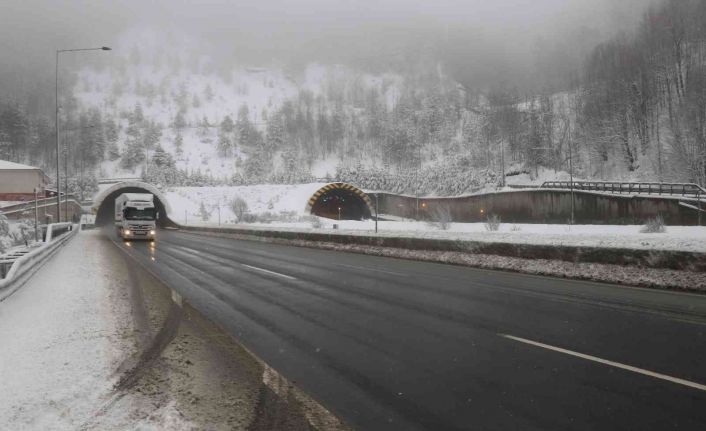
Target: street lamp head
106 48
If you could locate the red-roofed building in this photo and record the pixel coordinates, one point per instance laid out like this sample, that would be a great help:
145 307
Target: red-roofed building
18 181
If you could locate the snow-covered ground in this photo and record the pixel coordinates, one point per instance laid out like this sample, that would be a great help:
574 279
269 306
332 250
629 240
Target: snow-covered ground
286 200
63 338
286 206
683 238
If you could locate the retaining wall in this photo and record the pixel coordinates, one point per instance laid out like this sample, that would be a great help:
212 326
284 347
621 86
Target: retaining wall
544 206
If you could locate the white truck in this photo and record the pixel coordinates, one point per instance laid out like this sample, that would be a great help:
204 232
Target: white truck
135 216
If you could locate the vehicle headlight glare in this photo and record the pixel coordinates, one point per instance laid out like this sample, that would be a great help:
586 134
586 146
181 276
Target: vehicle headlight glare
151 232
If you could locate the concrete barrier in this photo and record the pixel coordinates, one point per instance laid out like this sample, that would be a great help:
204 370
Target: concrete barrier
665 259
23 268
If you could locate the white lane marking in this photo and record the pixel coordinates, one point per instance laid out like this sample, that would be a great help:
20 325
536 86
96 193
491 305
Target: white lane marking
607 362
268 271
372 269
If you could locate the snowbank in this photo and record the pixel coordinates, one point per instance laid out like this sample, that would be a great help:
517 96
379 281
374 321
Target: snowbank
676 238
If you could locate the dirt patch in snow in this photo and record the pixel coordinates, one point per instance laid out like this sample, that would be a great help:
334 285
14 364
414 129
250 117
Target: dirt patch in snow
190 374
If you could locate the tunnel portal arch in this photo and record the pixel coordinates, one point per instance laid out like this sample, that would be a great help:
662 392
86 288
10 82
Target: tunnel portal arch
104 202
354 203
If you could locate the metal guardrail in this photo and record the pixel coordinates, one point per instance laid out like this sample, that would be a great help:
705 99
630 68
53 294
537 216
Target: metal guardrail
56 229
22 268
680 189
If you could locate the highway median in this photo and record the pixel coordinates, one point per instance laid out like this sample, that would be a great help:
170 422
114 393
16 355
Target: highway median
645 267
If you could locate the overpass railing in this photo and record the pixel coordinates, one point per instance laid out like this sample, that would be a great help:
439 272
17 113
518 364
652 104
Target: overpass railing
17 267
41 203
679 189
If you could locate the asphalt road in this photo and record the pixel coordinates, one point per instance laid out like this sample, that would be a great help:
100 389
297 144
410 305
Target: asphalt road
403 345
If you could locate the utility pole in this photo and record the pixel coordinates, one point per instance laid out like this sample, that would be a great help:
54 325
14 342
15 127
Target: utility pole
36 215
56 131
66 180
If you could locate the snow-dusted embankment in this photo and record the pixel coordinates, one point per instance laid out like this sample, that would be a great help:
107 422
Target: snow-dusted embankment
95 342
643 266
202 204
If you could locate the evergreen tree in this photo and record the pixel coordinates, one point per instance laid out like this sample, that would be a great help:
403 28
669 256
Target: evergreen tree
179 144
152 134
227 125
275 132
179 122
161 158
225 147
137 114
243 127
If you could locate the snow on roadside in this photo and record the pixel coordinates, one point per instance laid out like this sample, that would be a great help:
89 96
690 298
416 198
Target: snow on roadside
681 238
272 198
289 202
63 336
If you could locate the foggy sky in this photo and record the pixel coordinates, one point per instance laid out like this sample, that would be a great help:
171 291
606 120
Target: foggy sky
484 39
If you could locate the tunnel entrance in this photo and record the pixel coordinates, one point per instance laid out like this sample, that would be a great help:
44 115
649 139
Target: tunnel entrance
104 204
340 201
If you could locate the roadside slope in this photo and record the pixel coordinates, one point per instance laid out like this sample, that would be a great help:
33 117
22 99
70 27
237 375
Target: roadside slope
94 341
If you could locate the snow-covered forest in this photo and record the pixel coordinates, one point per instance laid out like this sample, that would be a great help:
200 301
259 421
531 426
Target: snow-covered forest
635 109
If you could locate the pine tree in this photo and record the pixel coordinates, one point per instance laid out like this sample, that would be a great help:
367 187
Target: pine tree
204 127
179 144
224 145
137 114
134 153
152 134
243 126
179 122
227 125
275 132
161 158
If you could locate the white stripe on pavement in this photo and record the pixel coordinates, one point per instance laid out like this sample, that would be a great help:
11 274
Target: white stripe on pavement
611 363
268 271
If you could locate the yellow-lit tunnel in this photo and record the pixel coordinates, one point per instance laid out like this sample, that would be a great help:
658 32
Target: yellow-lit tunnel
340 201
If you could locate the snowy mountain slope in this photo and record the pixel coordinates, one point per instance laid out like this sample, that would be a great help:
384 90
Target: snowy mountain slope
206 99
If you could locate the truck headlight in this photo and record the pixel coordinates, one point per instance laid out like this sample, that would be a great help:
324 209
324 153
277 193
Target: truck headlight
151 232
126 231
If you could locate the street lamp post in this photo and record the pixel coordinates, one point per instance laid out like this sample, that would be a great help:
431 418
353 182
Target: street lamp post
56 120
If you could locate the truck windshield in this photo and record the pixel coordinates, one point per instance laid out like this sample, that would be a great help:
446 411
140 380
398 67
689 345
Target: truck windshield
139 214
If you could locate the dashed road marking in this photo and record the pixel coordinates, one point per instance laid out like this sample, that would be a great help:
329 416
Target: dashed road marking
607 362
269 272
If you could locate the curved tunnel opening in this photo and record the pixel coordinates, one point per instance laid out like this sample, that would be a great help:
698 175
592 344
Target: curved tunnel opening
105 215
340 204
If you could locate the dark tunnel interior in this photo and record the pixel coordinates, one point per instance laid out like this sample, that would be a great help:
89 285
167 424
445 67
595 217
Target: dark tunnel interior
105 215
341 204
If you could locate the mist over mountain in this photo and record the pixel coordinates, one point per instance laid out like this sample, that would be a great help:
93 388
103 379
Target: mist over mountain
444 99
